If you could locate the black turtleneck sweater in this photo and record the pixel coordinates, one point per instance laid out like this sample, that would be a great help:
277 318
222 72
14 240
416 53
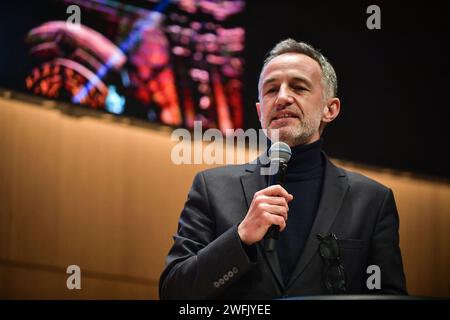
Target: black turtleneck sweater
304 178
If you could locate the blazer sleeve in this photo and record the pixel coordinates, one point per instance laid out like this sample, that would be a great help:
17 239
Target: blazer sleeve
201 264
385 250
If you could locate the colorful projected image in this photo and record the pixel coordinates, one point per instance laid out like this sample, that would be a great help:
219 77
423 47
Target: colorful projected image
173 62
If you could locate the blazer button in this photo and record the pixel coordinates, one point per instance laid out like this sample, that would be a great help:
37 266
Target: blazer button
221 281
235 270
225 277
230 274
216 284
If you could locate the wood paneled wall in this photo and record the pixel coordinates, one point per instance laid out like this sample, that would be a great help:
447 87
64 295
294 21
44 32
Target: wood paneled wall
104 195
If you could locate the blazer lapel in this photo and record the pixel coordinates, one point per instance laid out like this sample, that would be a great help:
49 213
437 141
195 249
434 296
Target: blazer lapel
335 186
252 182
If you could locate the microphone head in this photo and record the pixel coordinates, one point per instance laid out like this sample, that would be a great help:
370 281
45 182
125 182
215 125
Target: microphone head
280 151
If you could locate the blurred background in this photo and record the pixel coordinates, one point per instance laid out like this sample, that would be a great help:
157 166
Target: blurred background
87 112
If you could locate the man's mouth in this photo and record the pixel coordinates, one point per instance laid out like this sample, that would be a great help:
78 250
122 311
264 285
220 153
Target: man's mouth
283 117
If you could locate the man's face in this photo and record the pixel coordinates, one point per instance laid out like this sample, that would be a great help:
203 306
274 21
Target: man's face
291 98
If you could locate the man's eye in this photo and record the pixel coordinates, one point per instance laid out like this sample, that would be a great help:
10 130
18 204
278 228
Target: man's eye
270 90
299 88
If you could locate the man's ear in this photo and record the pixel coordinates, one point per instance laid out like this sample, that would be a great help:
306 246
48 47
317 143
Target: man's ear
331 110
258 109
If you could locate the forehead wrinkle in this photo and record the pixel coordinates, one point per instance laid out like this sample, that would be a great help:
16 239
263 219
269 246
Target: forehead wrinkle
294 78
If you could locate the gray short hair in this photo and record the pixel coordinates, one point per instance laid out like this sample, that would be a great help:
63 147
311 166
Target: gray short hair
329 78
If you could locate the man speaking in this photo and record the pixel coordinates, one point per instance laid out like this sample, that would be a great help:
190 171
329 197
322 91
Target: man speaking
333 224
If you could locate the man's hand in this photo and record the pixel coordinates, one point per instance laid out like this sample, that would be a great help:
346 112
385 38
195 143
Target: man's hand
269 206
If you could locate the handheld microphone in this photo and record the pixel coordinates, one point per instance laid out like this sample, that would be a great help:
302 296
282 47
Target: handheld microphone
279 155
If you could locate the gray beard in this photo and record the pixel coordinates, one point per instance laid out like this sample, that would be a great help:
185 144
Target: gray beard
299 135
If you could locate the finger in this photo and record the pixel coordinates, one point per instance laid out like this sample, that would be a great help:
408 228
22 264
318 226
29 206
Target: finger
277 190
278 201
290 197
276 220
273 209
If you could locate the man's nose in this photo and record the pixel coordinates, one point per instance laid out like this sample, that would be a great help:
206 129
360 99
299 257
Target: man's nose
284 97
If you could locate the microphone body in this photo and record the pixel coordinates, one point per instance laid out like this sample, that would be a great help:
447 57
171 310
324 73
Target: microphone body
279 155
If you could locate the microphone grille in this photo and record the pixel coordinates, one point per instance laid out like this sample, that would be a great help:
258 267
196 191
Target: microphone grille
280 151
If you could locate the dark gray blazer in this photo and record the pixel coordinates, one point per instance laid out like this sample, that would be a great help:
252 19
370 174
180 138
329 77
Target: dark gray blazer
208 260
